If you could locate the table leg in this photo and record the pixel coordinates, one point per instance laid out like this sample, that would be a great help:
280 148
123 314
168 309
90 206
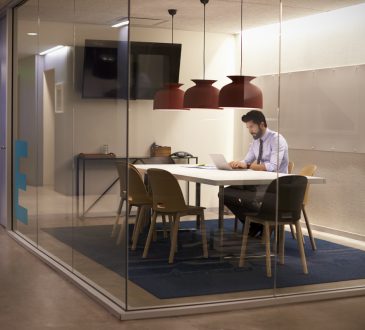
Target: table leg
221 207
77 186
197 201
83 186
197 194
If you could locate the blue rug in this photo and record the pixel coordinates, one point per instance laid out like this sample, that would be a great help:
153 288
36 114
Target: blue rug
192 275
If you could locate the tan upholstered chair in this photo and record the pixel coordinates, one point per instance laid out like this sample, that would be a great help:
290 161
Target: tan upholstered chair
291 195
137 196
168 200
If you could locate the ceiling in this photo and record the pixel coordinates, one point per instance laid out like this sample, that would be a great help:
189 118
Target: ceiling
221 15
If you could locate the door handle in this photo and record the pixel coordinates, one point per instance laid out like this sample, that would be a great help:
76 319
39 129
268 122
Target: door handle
2 147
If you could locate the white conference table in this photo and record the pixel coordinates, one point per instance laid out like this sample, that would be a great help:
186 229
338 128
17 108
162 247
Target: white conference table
211 176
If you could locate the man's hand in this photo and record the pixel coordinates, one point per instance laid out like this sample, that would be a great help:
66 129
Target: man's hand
237 164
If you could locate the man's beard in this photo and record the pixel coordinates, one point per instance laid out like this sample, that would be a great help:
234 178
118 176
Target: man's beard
257 135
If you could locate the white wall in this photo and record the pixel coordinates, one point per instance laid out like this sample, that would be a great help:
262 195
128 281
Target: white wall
319 41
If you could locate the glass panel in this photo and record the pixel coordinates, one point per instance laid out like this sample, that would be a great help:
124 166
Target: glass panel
55 125
191 278
26 167
321 112
68 135
100 139
3 123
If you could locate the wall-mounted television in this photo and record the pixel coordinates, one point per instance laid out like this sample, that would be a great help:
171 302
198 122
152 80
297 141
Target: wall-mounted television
151 66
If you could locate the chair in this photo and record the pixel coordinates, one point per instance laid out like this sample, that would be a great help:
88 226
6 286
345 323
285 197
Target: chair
290 200
168 200
137 196
308 170
290 170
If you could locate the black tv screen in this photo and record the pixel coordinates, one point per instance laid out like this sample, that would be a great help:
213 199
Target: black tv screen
152 65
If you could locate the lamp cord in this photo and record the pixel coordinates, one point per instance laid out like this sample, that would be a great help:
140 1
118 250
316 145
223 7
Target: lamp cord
241 36
204 45
172 12
172 29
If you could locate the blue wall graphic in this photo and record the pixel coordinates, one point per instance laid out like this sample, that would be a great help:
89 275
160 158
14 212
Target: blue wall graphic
21 151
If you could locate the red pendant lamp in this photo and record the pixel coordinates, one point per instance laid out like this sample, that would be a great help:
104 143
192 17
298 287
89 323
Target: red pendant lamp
240 93
203 95
170 97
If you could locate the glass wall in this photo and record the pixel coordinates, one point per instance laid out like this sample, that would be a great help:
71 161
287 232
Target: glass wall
67 136
83 106
321 111
191 278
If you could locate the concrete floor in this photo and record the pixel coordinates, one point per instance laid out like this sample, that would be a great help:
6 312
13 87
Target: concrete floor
33 296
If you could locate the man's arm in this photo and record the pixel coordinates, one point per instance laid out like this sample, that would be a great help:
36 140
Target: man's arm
250 157
258 167
272 165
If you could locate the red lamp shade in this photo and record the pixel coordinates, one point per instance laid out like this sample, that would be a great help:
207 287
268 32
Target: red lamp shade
240 93
203 95
171 97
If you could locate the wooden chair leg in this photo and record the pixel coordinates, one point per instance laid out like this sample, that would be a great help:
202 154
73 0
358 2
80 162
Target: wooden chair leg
174 239
310 234
301 247
281 244
119 211
136 222
244 242
171 220
204 235
150 234
122 232
154 234
164 226
138 226
235 224
292 232
267 246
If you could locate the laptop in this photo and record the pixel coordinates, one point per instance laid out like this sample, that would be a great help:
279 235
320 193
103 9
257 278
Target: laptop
220 162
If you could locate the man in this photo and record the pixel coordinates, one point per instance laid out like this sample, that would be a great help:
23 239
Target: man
268 152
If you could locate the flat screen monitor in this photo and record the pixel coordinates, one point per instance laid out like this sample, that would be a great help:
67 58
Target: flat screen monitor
151 66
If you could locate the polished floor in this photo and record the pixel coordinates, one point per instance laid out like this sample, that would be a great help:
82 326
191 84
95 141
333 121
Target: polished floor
33 296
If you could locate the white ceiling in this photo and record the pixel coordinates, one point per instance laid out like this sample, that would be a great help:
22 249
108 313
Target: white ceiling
221 15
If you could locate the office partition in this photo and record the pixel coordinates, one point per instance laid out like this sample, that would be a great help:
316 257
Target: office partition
77 115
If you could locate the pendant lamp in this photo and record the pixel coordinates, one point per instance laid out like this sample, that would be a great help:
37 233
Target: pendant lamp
203 95
240 93
170 97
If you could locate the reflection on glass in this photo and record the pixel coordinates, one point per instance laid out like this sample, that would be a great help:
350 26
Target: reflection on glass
99 141
55 117
26 138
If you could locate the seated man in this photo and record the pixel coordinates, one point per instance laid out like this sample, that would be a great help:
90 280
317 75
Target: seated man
268 152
